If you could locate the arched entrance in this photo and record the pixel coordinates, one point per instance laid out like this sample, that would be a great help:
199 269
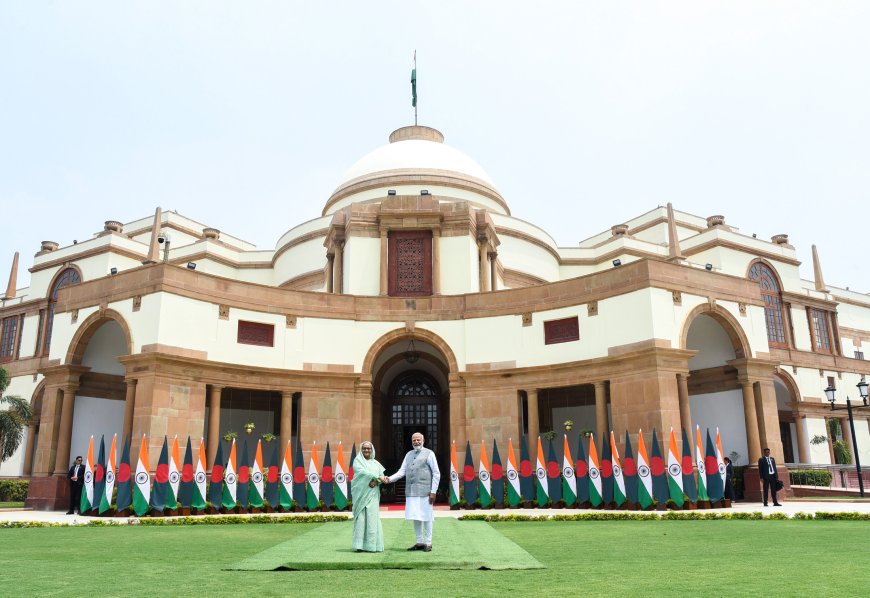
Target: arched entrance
415 404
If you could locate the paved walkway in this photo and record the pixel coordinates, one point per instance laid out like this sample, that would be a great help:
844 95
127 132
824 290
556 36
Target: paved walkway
789 508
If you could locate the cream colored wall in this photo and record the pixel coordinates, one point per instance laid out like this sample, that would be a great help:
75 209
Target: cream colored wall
28 336
818 452
22 386
301 259
459 265
518 254
442 193
802 339
362 266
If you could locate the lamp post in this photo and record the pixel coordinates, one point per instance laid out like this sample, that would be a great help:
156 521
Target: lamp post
862 389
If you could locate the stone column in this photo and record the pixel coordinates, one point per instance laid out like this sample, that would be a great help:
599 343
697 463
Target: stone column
751 418
436 262
338 285
493 282
61 462
129 406
385 263
214 423
330 273
363 412
601 425
483 271
457 411
768 417
847 435
803 445
27 468
534 418
286 416
685 409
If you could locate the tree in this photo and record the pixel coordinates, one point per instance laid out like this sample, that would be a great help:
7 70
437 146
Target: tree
12 419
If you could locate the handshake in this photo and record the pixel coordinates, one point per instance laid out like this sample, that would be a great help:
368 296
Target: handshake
382 480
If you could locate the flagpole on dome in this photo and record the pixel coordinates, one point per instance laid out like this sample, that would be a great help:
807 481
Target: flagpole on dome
414 87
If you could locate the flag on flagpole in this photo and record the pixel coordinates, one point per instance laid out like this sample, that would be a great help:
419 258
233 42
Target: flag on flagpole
699 463
326 494
720 460
581 473
257 486
527 474
606 471
100 475
497 476
312 486
87 501
161 479
469 483
659 474
199 479
124 480
285 499
454 476
174 476
228 498
483 477
569 482
689 486
350 473
554 475
272 494
244 477
216 489
340 479
619 494
715 488
675 472
106 498
514 495
414 82
300 480
644 474
142 489
594 474
541 477
629 471
185 489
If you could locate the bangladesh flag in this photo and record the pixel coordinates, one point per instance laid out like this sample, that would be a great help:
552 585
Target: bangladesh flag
569 482
125 481
541 477
350 473
629 470
216 489
554 474
100 475
514 495
185 488
526 473
606 472
299 478
326 494
660 478
199 479
142 489
720 459
231 480
244 477
257 486
469 483
497 477
483 477
699 463
109 488
174 476
454 476
273 492
161 479
675 472
285 490
340 480
581 473
644 474
87 501
594 474
715 488
312 486
618 480
688 466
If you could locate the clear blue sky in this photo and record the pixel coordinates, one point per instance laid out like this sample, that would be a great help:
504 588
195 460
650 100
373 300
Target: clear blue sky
245 115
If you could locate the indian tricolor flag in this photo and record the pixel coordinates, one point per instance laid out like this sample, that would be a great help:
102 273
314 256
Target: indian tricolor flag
675 472
483 477
257 477
541 477
699 462
87 501
286 489
594 474
174 476
106 498
142 487
569 481
720 457
454 476
618 479
645 487
514 494
228 498
312 486
340 478
199 479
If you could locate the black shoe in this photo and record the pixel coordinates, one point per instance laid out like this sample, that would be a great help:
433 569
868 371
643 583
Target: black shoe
417 547
427 548
765 504
70 513
776 504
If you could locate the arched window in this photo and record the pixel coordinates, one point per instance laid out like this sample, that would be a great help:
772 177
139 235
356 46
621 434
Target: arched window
68 277
773 312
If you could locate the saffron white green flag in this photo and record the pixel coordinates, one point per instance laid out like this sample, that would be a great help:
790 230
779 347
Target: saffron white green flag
340 478
569 480
257 477
454 476
106 498
644 489
231 480
618 478
720 457
541 488
142 487
199 479
699 462
285 492
515 496
484 478
675 472
174 476
595 496
87 501
312 487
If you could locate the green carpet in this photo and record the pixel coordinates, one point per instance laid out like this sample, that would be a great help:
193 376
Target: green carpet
456 545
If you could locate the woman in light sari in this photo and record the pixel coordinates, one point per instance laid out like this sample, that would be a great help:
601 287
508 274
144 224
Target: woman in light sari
368 533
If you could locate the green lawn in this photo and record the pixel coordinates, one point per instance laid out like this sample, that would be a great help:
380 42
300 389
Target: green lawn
613 558
11 505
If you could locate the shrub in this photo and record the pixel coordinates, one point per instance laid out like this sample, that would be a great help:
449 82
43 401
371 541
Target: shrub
810 477
13 490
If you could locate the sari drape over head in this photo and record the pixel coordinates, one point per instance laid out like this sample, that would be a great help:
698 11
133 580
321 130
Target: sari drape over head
368 533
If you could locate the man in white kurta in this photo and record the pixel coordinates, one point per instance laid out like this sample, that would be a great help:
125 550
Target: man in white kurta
421 471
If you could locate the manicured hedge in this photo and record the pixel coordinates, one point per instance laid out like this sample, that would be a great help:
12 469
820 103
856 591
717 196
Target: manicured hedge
810 477
13 490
